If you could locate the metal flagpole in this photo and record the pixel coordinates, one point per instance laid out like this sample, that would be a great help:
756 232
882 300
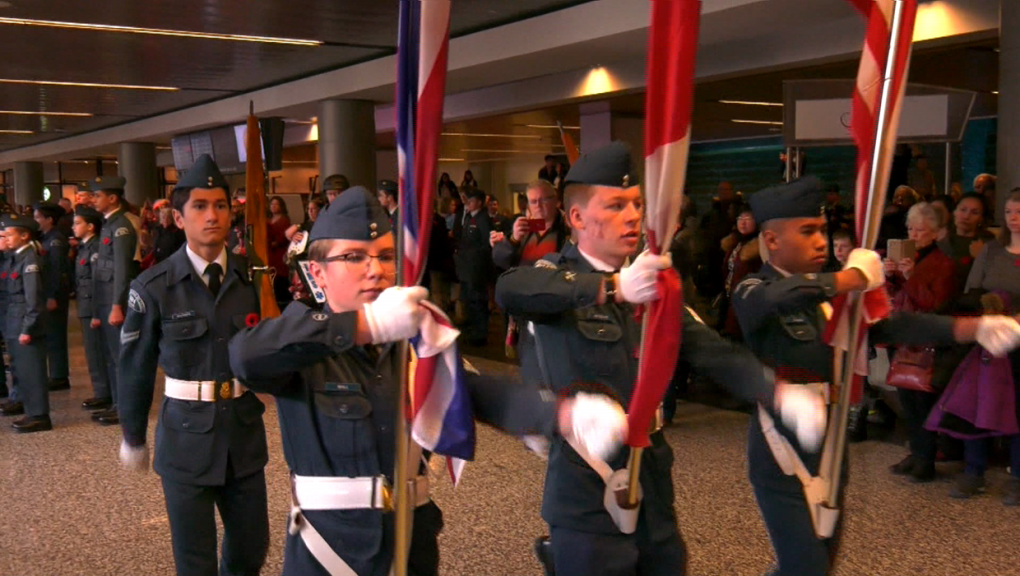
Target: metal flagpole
841 411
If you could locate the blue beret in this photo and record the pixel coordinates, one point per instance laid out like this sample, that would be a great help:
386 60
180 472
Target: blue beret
54 211
607 166
204 173
20 221
113 184
354 215
802 198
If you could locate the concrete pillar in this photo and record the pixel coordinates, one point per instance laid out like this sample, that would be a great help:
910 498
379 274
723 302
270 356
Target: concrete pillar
1008 146
137 164
347 141
596 126
28 183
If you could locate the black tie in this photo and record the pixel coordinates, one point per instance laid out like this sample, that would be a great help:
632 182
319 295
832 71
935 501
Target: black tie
214 271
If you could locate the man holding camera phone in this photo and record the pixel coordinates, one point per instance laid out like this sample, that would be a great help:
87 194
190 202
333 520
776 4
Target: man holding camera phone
541 231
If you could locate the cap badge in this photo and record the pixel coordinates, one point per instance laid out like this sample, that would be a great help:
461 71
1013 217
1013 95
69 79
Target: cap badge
626 179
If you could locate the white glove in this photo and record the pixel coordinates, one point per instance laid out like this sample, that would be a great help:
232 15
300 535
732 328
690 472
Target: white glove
870 265
396 314
998 334
637 281
803 411
597 423
134 458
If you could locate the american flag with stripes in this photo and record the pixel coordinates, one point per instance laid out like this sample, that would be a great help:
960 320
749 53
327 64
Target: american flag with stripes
440 407
869 194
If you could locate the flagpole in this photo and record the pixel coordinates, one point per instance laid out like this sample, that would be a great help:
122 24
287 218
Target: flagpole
402 508
841 411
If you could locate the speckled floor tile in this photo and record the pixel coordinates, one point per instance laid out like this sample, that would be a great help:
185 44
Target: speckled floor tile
67 509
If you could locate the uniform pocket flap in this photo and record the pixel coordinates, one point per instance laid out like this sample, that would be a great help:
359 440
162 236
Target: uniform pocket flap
104 274
799 328
185 329
600 331
343 406
194 417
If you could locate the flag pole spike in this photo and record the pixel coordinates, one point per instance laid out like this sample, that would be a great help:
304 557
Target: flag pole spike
251 107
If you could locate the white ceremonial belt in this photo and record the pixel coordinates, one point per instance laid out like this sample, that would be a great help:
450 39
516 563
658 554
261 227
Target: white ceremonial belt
203 390
342 493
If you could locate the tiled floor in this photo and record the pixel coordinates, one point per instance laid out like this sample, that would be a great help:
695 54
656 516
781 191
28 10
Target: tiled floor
67 509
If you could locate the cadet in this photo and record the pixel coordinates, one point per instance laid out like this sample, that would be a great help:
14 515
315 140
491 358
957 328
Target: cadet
87 225
24 328
473 261
112 275
210 439
334 374
387 195
334 185
56 291
580 308
781 310
6 393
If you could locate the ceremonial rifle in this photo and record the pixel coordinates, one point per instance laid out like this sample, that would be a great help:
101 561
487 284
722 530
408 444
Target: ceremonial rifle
256 225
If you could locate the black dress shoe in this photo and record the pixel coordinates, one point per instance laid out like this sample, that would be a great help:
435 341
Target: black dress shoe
903 467
109 412
543 551
32 424
922 473
58 384
97 404
12 409
110 419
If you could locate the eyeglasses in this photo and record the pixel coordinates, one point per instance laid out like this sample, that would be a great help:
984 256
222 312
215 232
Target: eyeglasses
359 262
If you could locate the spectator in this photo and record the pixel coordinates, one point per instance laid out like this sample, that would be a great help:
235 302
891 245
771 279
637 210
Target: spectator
549 172
837 217
530 241
66 220
316 204
448 210
944 206
474 266
742 258
235 240
715 226
984 185
446 186
334 185
297 251
926 283
842 245
277 226
969 233
996 270
522 208
921 179
83 198
387 195
167 238
561 177
500 223
894 222
469 181
956 192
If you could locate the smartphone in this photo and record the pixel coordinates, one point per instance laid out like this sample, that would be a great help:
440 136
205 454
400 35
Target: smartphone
536 224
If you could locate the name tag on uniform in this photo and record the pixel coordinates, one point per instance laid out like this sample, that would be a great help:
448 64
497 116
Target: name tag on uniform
183 315
346 387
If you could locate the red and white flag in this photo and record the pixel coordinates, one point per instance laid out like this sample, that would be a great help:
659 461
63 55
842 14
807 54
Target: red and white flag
864 127
672 48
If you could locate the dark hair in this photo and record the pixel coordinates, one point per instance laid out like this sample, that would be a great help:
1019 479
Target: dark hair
980 199
843 234
444 177
391 193
95 221
1005 236
180 196
946 201
550 157
283 205
476 194
318 201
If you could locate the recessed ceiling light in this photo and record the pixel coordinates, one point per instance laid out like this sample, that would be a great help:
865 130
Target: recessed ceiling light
451 160
45 113
5 4
542 151
996 92
158 32
85 84
751 103
16 132
525 136
553 126
762 122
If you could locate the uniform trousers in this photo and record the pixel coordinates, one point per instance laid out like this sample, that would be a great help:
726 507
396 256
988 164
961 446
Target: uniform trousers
110 336
785 513
916 406
475 296
29 362
578 553
56 340
242 506
95 358
4 390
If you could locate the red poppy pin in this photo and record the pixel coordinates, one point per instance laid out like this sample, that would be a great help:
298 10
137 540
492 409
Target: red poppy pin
14 275
1016 262
82 262
251 320
3 276
106 240
966 260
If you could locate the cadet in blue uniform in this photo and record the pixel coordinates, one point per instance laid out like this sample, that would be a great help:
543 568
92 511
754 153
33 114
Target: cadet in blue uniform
579 304
5 391
86 226
210 440
781 315
113 272
473 261
334 374
56 291
26 340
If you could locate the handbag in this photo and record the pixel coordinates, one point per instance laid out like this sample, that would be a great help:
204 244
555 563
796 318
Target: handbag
911 369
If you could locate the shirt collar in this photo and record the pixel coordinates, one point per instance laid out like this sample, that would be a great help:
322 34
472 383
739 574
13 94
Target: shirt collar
22 249
200 263
86 239
782 272
595 262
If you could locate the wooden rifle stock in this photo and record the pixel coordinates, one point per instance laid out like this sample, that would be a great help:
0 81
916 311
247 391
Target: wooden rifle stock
256 225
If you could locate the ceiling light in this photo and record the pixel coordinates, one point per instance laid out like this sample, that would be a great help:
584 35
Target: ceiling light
16 132
552 126
158 32
762 122
751 103
451 160
542 151
526 136
86 84
996 92
44 113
